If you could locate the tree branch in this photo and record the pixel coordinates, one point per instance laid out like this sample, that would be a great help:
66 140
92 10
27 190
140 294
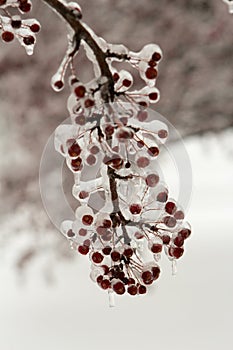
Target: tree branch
81 33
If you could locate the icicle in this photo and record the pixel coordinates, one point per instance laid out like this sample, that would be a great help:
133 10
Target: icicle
111 298
174 267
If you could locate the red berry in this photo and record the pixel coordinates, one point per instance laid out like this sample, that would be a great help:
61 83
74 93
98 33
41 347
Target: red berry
142 116
156 56
80 91
87 220
74 150
124 134
82 232
127 82
162 134
16 23
115 256
25 6
147 277
128 252
109 130
83 249
152 63
152 180
153 96
166 239
7 36
87 242
178 241
29 40
176 252
135 209
59 84
99 279
116 77
169 221
156 248
153 151
185 233
179 215
89 103
162 197
151 73
132 290
70 233
97 257
119 288
83 194
80 120
142 289
143 162
131 281
139 235
140 144
105 284
170 207
155 272
76 164
35 28
107 250
91 160
94 150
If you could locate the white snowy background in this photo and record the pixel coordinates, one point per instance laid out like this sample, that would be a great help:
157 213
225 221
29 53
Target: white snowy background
193 310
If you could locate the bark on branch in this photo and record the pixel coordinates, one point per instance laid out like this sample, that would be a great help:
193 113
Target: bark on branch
81 33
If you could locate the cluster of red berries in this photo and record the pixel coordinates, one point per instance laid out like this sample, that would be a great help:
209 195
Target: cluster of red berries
112 149
13 26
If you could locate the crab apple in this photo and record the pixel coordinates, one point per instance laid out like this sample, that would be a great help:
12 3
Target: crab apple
25 6
74 150
185 233
97 257
153 96
128 252
58 84
89 103
83 249
135 209
176 252
153 151
170 207
166 239
82 232
35 27
147 277
80 91
142 116
152 180
162 134
142 289
155 272
179 215
109 130
162 197
143 162
156 56
107 250
119 288
87 219
7 36
76 164
169 221
151 73
29 40
16 22
105 284
115 256
132 290
91 160
178 241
